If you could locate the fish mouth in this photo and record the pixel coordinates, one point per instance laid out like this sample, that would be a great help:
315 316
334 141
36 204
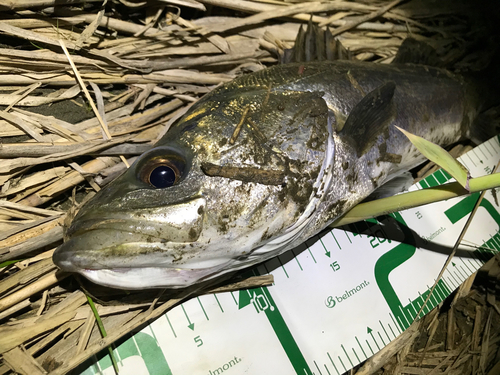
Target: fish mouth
148 277
133 262
118 249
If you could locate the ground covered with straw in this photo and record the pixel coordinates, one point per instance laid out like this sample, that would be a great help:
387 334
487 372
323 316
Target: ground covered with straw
85 87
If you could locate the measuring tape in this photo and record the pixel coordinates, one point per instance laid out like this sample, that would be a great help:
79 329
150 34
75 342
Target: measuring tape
336 300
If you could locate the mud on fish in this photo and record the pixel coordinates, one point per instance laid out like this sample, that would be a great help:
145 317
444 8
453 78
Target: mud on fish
261 164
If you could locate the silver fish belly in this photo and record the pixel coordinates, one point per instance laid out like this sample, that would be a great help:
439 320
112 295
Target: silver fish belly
258 166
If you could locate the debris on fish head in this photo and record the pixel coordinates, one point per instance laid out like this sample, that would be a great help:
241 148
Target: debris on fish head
234 182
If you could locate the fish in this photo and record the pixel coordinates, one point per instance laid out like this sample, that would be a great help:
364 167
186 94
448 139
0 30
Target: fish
261 164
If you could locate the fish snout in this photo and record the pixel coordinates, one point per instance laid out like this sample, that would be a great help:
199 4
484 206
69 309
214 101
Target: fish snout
180 222
133 238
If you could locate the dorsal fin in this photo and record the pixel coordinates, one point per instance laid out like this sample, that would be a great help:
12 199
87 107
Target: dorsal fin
315 44
413 51
370 117
335 49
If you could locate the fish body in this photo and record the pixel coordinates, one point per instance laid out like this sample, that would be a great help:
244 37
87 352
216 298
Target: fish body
258 166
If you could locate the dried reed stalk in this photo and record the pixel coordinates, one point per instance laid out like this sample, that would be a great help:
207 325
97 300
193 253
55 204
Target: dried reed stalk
144 76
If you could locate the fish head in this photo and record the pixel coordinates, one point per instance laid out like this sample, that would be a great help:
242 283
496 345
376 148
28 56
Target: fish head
222 190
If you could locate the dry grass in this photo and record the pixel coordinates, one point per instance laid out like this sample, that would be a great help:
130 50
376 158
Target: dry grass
144 68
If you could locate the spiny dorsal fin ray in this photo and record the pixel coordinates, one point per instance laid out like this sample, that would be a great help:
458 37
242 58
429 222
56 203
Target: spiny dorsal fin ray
315 44
335 50
370 117
413 51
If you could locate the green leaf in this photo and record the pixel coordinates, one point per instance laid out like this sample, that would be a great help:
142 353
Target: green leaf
103 332
9 262
417 198
441 157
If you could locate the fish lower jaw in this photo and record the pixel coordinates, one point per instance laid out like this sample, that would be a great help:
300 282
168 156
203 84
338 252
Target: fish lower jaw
148 277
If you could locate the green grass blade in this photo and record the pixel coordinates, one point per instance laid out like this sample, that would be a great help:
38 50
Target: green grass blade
440 156
412 199
103 332
9 262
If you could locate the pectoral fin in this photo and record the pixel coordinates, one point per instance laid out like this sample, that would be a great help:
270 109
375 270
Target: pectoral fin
392 187
370 118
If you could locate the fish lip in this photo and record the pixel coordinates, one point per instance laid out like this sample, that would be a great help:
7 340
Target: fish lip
183 218
131 278
149 277
82 226
97 250
78 227
74 256
63 263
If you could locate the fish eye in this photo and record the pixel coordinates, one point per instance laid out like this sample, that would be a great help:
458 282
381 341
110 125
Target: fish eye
163 176
162 170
